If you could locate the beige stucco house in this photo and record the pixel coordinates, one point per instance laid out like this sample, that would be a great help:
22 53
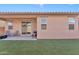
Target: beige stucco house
49 25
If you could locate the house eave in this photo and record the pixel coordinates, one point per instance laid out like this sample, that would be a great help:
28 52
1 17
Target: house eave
39 13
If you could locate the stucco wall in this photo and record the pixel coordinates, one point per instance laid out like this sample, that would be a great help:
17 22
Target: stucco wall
2 30
57 28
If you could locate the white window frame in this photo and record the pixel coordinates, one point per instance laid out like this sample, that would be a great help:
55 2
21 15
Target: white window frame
42 19
71 20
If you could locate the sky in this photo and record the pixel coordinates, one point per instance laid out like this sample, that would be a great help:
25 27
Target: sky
39 7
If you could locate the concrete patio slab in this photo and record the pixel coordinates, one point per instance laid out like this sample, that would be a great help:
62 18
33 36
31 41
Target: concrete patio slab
20 38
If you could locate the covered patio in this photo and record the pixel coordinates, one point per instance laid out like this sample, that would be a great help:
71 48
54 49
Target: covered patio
18 26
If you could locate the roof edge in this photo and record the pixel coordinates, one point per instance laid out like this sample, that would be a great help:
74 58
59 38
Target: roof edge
25 13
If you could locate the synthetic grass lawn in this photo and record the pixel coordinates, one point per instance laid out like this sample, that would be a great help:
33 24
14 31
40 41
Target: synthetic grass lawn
39 47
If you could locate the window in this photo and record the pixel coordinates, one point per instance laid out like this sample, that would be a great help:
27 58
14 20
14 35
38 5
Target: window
71 22
43 26
43 23
10 25
71 26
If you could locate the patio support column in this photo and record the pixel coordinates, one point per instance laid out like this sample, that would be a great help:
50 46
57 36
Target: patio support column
38 27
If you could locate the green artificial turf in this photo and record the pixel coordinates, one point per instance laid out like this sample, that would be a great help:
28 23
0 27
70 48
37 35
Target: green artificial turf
39 47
